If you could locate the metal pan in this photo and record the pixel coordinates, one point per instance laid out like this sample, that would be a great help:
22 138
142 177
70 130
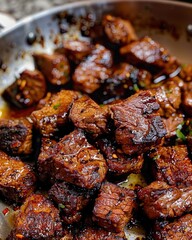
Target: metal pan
168 22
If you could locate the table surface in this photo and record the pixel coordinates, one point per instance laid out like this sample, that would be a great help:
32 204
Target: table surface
21 8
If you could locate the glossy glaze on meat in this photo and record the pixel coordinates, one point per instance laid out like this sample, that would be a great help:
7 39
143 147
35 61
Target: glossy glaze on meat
103 110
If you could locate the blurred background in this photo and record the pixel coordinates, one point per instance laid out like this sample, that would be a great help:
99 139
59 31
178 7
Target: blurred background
21 8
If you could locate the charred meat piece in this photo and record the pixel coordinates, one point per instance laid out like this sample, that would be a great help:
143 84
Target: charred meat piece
138 126
113 207
172 124
186 73
90 73
148 54
71 200
27 90
187 98
38 219
177 230
44 101
78 162
123 82
54 67
89 76
48 149
118 30
16 136
76 50
88 115
17 179
163 201
101 56
53 115
93 233
188 135
172 165
119 163
168 96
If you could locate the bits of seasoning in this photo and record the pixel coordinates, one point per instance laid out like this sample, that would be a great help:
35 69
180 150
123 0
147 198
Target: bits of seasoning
5 211
31 38
61 206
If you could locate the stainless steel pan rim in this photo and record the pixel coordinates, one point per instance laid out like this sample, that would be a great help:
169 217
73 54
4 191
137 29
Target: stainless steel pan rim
73 5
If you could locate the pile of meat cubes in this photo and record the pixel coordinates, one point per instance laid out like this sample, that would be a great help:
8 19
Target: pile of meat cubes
62 162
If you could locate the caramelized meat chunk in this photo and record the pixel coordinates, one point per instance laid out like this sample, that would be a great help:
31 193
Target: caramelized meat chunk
27 90
93 233
122 83
90 73
172 165
76 50
88 115
17 180
52 116
71 200
163 201
118 30
55 67
38 219
16 136
168 96
113 207
78 162
177 230
186 73
187 98
119 163
44 162
148 54
138 126
172 124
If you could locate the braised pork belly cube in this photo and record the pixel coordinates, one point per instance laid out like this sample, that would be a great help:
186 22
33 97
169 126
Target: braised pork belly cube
148 54
168 96
119 163
78 162
187 98
16 136
53 115
163 201
71 200
172 165
113 207
54 67
90 74
138 126
76 50
122 83
89 116
118 30
17 179
44 163
179 229
172 124
93 233
27 90
186 72
38 219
